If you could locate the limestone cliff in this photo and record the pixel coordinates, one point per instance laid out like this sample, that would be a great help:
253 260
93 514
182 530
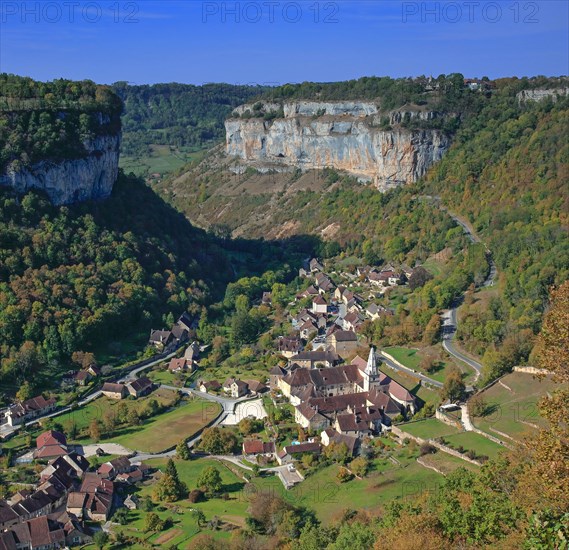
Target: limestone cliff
69 181
541 94
352 136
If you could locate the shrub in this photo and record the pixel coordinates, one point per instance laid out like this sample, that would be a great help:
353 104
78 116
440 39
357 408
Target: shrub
427 449
344 475
196 496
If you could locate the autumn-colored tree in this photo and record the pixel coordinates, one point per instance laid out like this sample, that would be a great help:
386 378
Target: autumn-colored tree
95 430
453 387
428 364
83 359
338 452
545 480
110 422
432 330
412 531
344 475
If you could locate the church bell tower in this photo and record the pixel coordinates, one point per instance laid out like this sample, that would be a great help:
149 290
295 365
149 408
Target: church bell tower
370 374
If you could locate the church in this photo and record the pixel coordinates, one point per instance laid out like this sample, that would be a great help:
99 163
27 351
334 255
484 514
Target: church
355 399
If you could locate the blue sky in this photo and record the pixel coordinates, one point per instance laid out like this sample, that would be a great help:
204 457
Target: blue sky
148 41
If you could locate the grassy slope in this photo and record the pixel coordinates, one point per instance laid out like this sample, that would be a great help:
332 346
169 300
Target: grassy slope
429 428
185 525
513 411
411 358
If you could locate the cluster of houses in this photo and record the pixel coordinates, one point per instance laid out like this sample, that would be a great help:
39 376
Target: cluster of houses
343 403
338 307
234 387
28 410
68 494
169 340
188 362
355 399
138 387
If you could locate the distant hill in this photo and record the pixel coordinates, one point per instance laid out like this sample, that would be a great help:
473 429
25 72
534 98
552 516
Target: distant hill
180 115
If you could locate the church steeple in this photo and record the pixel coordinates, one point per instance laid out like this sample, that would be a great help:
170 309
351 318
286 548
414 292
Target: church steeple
370 373
371 367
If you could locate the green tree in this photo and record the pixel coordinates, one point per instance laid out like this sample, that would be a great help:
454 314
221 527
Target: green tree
133 417
359 466
169 488
218 441
453 387
100 538
338 452
152 522
71 429
25 392
210 480
183 451
354 536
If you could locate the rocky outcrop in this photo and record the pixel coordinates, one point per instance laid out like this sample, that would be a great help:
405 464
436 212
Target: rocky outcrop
352 136
541 94
70 181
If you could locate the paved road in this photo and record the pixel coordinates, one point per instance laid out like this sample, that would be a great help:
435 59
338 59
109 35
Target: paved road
401 368
450 321
133 373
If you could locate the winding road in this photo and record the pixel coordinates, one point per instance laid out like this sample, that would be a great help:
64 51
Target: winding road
449 316
450 319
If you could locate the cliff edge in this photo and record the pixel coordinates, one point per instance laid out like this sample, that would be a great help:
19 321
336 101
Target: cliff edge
61 137
388 149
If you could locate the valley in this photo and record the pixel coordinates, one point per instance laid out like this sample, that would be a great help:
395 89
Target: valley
328 326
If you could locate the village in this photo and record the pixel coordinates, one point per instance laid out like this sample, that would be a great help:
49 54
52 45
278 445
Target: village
328 396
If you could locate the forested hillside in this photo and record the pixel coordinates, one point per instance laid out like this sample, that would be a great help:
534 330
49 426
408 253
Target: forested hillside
51 120
507 174
181 115
77 278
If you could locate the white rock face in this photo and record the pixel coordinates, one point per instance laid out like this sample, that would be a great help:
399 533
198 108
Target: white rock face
541 94
342 135
75 180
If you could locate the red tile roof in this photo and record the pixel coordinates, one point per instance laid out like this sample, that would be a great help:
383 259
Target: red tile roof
51 437
256 446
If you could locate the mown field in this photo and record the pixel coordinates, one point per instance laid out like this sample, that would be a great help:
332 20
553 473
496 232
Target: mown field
447 463
153 434
472 441
162 160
